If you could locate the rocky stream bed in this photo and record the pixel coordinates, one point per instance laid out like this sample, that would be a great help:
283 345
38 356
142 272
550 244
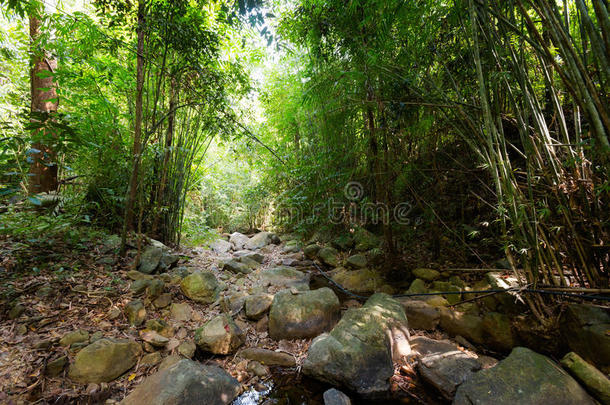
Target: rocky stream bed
251 320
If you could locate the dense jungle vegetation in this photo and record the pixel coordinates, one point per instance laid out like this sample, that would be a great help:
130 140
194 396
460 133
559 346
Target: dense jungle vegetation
457 133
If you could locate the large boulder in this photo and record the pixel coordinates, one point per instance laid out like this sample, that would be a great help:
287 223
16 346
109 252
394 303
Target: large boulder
365 240
220 246
524 377
104 360
421 315
442 365
358 353
463 324
221 335
497 332
149 260
329 256
186 382
361 281
238 240
259 240
303 315
286 277
201 286
585 328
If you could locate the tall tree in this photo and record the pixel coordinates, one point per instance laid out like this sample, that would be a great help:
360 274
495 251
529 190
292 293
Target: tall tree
44 102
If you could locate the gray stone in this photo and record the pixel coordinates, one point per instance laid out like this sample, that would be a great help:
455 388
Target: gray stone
256 368
248 261
155 289
220 246
442 365
286 277
163 300
187 349
201 287
104 360
329 256
220 336
356 261
77 336
497 332
292 246
258 241
335 397
358 353
311 251
168 260
55 367
181 311
421 315
268 357
150 259
151 359
362 281
303 315
426 274
184 383
139 286
524 377
464 324
258 305
585 328
418 286
236 267
238 240
135 313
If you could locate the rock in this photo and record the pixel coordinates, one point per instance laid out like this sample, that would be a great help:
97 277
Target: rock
220 246
311 251
55 367
161 327
509 301
418 286
434 300
259 240
238 240
292 246
286 277
358 352
257 305
442 286
151 359
361 281
234 303
524 377
77 336
497 332
220 336
365 240
303 315
155 289
187 349
268 357
150 259
16 311
163 300
585 328
236 267
442 365
168 260
591 378
104 360
139 286
184 383
421 315
329 256
136 275
335 397
256 368
248 261
135 313
463 324
114 313
257 257
262 325
426 274
201 287
343 242
169 361
356 261
181 311
153 338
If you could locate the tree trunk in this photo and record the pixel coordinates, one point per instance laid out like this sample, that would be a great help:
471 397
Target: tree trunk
137 137
43 170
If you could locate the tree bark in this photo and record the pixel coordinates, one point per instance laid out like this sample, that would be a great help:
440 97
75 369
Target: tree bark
137 138
43 169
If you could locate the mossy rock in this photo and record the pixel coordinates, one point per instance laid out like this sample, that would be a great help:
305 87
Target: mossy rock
104 360
201 286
